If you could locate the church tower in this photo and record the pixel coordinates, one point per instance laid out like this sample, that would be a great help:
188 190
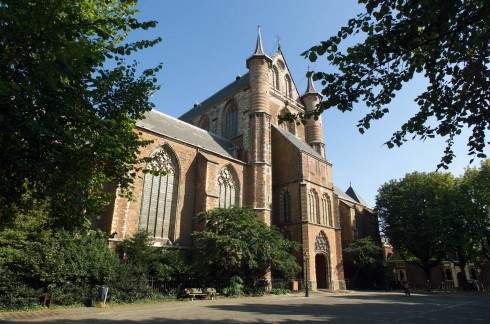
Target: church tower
313 129
259 127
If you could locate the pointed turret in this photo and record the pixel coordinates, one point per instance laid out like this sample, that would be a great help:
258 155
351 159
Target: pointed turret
258 137
314 132
310 89
259 50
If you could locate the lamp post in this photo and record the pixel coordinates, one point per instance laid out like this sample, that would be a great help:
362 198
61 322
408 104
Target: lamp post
394 278
307 262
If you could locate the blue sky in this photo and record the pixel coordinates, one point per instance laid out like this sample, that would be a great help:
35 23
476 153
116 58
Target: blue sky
205 45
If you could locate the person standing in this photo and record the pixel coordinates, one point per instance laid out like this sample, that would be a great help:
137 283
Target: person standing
429 286
406 287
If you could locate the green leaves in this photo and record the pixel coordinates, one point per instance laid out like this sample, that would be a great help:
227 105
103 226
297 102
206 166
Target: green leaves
235 242
67 114
363 252
428 216
312 56
447 43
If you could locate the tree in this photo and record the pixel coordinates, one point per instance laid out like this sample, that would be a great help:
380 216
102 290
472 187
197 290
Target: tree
234 242
362 253
69 101
474 190
413 214
33 257
446 40
148 261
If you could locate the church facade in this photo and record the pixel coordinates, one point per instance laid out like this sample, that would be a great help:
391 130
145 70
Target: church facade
232 150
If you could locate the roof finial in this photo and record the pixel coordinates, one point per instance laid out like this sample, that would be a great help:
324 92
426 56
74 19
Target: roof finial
258 49
278 42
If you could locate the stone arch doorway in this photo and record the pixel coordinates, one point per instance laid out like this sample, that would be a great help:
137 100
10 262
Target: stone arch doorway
322 262
321 271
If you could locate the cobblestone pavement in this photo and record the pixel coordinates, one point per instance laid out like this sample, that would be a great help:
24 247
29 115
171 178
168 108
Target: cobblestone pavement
321 307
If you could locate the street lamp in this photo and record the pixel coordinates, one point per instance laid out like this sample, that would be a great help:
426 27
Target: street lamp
307 262
394 277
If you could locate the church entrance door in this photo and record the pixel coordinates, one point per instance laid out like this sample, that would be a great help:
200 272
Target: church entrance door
321 271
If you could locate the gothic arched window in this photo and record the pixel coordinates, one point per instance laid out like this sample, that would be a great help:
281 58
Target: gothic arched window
204 123
157 216
230 126
227 188
285 206
313 206
326 211
288 85
329 212
275 77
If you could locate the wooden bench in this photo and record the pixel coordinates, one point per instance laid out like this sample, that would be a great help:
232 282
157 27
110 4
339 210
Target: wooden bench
211 292
194 293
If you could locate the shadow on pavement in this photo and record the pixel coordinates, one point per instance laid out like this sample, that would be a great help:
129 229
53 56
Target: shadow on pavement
345 308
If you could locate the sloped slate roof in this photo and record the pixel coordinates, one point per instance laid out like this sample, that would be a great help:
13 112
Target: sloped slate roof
310 89
354 195
341 194
234 87
174 128
298 143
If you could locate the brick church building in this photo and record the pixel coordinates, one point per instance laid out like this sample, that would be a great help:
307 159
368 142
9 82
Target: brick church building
231 150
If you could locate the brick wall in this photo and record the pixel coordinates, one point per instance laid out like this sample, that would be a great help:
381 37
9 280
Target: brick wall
197 177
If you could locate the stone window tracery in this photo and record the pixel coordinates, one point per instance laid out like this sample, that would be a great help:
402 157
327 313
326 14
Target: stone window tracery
230 126
157 215
313 206
227 188
281 65
288 86
329 212
326 211
321 244
204 123
275 78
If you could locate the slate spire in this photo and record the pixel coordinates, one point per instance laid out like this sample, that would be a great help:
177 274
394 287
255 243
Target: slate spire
311 87
259 50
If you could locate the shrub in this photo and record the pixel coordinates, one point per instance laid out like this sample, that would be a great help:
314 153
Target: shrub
234 288
280 291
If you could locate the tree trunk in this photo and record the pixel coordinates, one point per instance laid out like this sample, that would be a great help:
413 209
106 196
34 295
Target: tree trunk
427 268
462 266
355 276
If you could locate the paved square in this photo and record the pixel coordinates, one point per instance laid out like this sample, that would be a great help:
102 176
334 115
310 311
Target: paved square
346 307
